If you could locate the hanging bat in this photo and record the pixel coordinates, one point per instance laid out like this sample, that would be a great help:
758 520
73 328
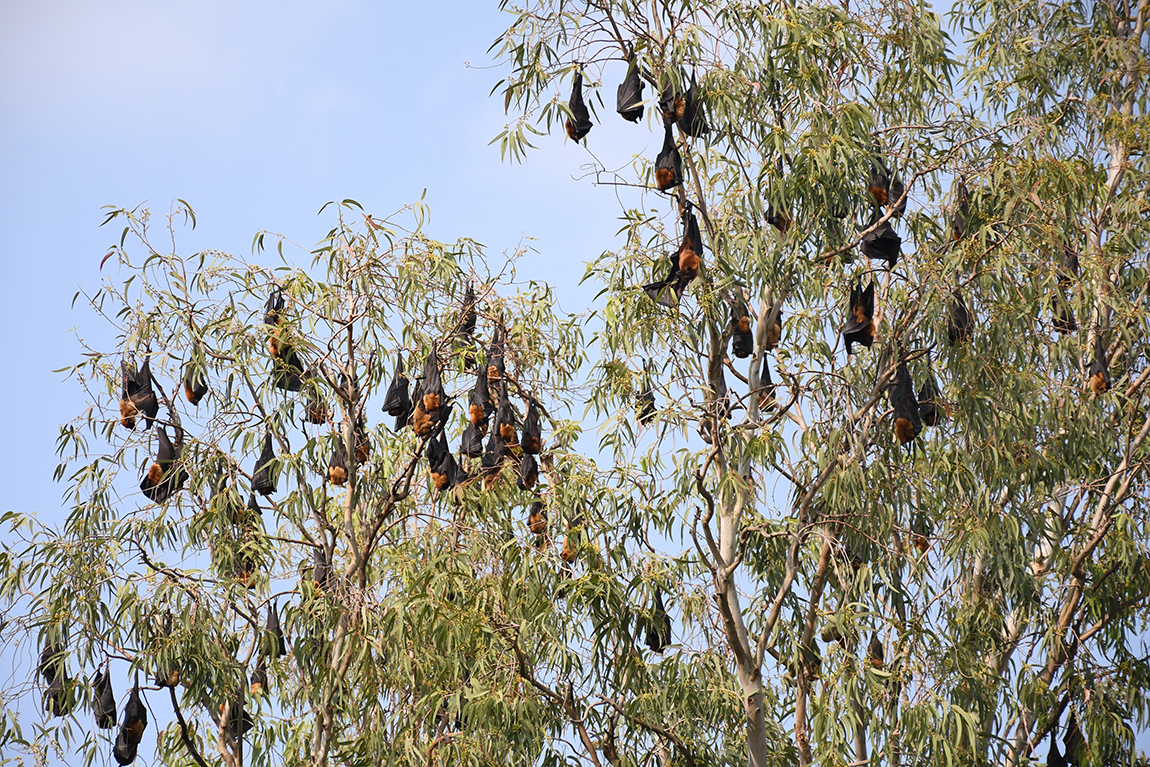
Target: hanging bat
693 121
1099 372
437 447
471 444
287 368
691 249
901 393
505 418
495 362
659 626
136 395
493 455
57 699
479 407
1077 752
259 678
468 316
321 568
135 717
579 123
886 188
397 402
779 218
742 339
645 405
774 332
960 324
528 472
274 643
315 411
859 328
163 478
766 385
930 412
537 518
195 382
668 163
629 97
874 651
103 700
960 220
274 308
1064 321
532 440
123 751
883 243
337 466
263 479
672 104
445 472
667 291
362 441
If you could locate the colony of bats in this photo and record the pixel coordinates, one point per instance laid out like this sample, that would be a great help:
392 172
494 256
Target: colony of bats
495 436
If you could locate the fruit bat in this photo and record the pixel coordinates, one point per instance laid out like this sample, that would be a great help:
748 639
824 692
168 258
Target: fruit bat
239 721
885 190
274 643
195 382
136 395
1064 321
774 332
468 318
315 411
532 440
693 121
259 678
479 407
337 466
1055 758
274 308
579 123
645 405
659 627
629 98
691 249
123 751
505 418
672 104
321 568
742 339
570 551
874 651
287 368
1099 371
263 479
361 440
906 420
766 385
960 324
162 479
103 700
669 290
668 163
929 409
437 447
495 363
493 454
397 402
779 218
882 243
859 328
1077 752
135 717
445 472
528 472
960 220
57 700
537 518
471 444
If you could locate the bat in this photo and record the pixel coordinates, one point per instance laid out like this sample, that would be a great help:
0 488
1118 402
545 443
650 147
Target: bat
883 243
537 518
779 218
274 308
51 666
505 418
1099 372
362 442
629 97
579 123
930 412
471 444
668 163
469 318
691 249
495 362
123 751
431 396
321 568
263 479
287 368
337 466
645 405
136 394
166 675
437 447
886 188
259 678
960 324
532 440
901 393
960 219
859 328
774 332
493 456
397 402
672 104
274 643
162 479
479 407
445 472
315 411
1064 321
659 626
195 382
874 651
135 717
693 121
103 700
239 721
667 291
1075 744
766 385
742 339
528 471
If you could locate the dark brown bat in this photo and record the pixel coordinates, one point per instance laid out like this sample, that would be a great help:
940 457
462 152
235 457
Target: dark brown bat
659 626
672 104
667 291
691 249
479 405
103 700
779 218
57 700
493 456
766 385
287 368
645 405
1099 372
883 243
495 356
468 315
886 188
907 425
859 328
960 324
259 678
579 123
321 568
668 163
362 441
532 439
960 219
195 382
505 418
445 472
693 121
337 466
528 472
137 395
1064 321
471 443
275 645
629 97
742 338
164 478
930 411
874 651
397 402
774 332
315 410
135 717
263 478
537 518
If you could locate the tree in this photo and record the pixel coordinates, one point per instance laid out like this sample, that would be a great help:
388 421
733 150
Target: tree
931 550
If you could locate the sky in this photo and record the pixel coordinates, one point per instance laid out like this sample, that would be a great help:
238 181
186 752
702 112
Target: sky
256 113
